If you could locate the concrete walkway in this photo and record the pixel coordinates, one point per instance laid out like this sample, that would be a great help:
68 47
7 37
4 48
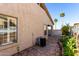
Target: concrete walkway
51 49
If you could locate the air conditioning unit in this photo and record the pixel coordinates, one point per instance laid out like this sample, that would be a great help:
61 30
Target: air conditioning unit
41 41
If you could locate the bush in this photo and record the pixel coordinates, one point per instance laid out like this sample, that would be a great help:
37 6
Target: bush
65 30
69 44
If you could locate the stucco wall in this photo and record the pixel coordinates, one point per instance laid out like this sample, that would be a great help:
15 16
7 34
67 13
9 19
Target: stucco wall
31 19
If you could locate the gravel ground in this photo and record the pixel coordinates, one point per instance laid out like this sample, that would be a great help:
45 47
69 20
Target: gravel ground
51 49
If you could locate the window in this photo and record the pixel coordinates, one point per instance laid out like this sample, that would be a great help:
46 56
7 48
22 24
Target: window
7 30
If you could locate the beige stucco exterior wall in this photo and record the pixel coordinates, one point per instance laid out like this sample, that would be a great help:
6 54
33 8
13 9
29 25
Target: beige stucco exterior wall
31 19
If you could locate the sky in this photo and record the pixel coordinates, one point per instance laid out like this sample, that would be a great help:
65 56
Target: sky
71 11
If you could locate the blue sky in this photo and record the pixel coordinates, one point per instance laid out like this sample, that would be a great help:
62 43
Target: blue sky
71 11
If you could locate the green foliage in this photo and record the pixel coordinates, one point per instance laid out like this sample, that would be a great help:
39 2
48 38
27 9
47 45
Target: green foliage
62 14
69 45
65 30
55 20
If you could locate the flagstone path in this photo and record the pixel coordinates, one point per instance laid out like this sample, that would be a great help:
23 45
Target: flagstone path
52 48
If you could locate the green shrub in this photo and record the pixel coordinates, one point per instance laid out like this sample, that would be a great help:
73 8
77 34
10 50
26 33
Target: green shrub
65 30
69 45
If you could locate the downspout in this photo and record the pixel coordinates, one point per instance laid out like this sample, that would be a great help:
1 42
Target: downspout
33 38
17 46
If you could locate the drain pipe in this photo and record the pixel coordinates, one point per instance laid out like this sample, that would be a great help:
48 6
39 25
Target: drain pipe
32 38
18 49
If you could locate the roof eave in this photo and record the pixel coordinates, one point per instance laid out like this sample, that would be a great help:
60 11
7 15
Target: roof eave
46 10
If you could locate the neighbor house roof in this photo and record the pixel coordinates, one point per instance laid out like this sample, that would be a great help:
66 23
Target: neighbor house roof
76 24
42 5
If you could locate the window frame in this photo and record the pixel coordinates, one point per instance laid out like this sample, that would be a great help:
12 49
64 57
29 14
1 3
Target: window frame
16 19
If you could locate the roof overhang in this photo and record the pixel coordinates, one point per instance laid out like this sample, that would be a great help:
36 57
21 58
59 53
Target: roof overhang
42 5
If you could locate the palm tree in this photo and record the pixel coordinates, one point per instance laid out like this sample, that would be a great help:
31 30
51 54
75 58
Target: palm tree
62 15
55 21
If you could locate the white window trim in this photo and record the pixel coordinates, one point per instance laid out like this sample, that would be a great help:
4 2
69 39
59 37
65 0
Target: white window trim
8 31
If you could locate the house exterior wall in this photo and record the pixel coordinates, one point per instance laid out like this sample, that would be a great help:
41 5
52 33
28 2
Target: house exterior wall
75 32
75 29
31 20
